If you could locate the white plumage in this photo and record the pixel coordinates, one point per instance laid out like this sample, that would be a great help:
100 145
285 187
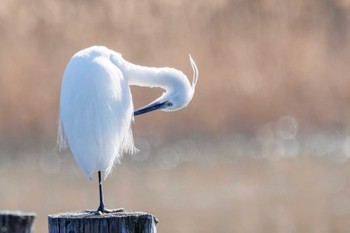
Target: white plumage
96 108
96 111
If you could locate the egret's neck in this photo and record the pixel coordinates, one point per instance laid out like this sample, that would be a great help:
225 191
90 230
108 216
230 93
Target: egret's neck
146 76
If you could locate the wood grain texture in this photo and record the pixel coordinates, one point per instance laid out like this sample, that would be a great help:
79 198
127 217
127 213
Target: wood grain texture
16 222
89 222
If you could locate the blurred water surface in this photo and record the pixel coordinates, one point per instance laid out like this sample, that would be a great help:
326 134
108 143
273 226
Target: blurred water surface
207 188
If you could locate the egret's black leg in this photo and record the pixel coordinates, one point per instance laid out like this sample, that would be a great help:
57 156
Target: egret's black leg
101 209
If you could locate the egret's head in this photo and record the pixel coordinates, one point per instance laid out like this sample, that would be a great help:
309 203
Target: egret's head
179 91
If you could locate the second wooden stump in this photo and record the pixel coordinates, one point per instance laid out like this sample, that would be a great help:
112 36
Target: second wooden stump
88 222
16 222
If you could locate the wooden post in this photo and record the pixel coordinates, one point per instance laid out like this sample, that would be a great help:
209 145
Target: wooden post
89 222
16 222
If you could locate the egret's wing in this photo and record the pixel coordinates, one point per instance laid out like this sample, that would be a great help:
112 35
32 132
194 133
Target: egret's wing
96 111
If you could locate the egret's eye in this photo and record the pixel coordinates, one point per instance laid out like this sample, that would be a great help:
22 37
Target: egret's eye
169 104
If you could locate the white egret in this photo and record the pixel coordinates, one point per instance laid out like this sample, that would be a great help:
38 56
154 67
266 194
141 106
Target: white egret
96 108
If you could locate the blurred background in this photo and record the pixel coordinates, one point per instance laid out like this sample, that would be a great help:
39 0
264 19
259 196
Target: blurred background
262 147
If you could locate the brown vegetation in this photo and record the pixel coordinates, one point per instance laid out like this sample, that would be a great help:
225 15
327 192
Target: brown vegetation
258 60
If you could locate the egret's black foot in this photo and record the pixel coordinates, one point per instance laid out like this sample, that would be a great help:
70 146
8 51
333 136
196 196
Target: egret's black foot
101 211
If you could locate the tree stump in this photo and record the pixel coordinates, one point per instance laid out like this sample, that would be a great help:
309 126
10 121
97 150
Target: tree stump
88 222
16 222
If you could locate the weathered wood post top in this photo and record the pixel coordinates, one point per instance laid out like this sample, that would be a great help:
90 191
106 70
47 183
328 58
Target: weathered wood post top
16 221
88 222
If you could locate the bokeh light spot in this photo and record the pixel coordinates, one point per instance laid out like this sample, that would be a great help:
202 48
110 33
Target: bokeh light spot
286 127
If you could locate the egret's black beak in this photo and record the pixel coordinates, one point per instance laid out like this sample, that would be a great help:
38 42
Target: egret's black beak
149 108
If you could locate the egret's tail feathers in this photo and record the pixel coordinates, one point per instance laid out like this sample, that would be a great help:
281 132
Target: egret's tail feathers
106 172
62 142
128 145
